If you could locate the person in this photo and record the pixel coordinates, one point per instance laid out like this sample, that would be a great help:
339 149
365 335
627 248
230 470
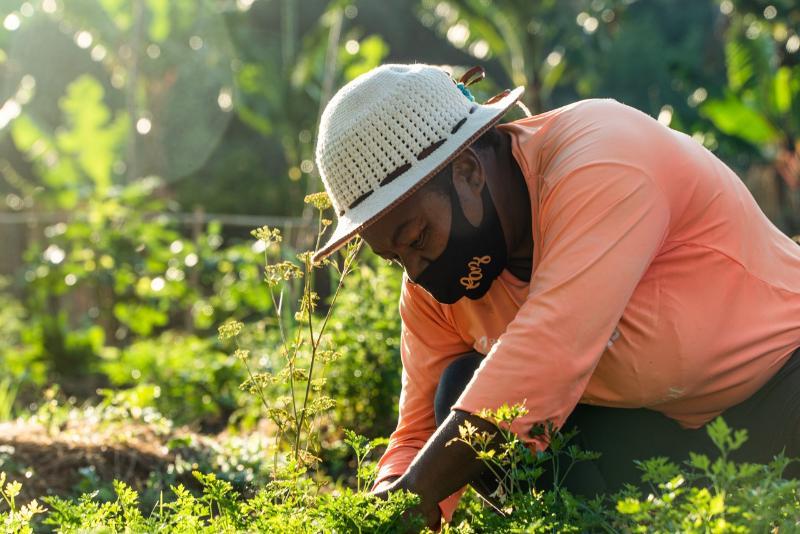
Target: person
588 262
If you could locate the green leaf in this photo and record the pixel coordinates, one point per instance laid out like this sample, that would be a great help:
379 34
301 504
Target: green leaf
782 90
371 52
629 506
739 61
716 505
731 116
93 136
119 11
26 133
159 23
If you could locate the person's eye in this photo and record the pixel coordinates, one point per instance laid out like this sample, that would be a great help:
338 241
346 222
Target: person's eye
419 242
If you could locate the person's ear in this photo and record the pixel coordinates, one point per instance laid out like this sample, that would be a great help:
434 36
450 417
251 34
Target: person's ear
469 180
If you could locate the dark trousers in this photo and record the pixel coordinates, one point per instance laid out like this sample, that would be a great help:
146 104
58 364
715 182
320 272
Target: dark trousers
771 417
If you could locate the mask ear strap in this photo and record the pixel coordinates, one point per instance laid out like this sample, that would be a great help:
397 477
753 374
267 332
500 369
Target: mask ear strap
524 109
504 93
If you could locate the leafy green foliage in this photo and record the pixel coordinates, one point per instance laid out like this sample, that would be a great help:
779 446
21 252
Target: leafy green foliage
538 44
195 381
704 495
218 509
366 379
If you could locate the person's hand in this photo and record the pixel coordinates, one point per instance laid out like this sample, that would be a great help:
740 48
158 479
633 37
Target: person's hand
429 512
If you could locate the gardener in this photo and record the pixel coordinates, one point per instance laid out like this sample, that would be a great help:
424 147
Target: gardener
589 263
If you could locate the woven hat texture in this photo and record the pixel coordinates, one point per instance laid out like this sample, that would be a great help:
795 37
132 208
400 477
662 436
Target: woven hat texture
384 133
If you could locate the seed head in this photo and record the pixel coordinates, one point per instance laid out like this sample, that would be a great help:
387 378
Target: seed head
320 200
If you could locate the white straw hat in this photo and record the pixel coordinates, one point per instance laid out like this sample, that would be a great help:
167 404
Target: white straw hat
384 134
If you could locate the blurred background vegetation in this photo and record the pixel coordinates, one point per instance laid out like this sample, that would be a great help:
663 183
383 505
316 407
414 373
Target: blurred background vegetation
141 140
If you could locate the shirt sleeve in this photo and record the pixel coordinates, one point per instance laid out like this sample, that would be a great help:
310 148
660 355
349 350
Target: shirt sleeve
428 342
602 221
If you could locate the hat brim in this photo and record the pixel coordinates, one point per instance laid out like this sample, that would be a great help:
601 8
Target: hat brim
390 195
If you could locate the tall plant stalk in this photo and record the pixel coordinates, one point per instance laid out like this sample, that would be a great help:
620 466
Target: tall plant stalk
295 421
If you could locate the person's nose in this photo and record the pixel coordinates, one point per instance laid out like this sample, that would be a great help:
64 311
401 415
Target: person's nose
413 263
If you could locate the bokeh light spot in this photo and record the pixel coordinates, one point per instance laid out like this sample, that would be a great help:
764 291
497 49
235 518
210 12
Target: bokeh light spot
98 53
191 259
225 99
157 284
352 47
793 44
698 96
83 39
458 34
665 115
554 58
9 111
11 22
143 126
54 254
590 25
480 49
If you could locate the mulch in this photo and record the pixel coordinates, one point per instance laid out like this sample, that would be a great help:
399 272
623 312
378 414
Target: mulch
49 462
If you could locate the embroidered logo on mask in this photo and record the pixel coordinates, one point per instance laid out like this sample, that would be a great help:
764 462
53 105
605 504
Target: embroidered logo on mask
472 280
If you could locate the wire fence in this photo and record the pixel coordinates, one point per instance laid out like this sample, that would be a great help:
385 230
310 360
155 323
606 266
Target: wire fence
18 229
188 218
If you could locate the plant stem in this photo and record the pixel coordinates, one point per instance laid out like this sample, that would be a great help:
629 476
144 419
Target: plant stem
278 307
255 382
307 292
345 270
348 263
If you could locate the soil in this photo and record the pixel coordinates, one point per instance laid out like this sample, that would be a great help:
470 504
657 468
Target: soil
49 462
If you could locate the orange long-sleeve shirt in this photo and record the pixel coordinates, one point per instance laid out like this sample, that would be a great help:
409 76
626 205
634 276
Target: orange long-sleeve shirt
657 282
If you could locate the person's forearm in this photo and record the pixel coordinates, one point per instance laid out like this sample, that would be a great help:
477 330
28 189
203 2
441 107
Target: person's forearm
439 470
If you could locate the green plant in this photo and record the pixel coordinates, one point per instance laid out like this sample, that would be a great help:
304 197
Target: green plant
362 447
365 381
759 108
17 520
196 382
303 344
715 496
703 495
516 469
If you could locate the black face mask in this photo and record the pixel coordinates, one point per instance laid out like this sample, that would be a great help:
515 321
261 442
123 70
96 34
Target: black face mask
473 258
